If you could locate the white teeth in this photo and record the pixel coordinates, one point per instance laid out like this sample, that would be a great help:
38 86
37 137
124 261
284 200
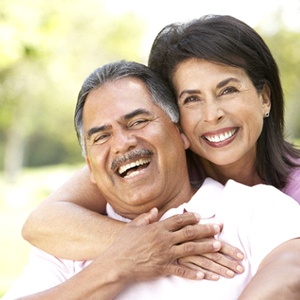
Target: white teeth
222 137
139 162
132 174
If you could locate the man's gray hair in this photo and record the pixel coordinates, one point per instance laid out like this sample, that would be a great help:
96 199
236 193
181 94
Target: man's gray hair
159 90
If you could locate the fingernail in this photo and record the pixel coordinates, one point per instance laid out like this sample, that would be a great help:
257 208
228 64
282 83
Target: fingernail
217 228
215 277
230 273
240 255
240 269
200 275
197 216
217 245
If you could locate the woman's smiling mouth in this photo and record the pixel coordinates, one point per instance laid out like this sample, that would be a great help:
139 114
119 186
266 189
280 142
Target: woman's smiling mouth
218 138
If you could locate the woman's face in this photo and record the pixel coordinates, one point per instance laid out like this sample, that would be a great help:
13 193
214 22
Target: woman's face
221 111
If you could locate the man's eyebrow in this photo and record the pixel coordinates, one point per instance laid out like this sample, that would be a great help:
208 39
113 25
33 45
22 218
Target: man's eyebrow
139 111
97 129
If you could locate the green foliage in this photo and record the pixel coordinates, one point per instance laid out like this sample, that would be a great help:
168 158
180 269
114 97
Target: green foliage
47 48
16 202
285 44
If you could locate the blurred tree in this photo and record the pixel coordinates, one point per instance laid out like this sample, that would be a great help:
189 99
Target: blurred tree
47 48
285 44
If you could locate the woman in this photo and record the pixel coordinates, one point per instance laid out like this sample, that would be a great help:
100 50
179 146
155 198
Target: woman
231 145
184 55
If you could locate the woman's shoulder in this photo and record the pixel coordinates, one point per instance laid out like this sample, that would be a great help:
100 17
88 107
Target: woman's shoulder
292 187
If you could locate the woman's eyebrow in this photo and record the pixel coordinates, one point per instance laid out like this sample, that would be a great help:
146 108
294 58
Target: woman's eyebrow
189 92
226 81
219 85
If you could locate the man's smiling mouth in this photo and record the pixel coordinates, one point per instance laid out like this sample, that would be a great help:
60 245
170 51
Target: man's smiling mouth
133 168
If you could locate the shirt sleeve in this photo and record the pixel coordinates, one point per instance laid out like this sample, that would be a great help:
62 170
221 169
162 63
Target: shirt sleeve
274 219
42 272
293 186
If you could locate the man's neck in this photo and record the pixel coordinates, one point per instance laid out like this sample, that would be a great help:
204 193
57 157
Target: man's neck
183 196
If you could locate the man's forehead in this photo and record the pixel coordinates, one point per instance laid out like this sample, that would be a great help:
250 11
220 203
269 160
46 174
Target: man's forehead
124 94
119 101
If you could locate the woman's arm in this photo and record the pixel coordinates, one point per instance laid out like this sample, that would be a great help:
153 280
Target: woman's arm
115 268
69 224
278 275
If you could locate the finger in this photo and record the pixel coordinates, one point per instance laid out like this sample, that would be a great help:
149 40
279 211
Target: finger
194 248
206 274
197 233
221 264
184 272
211 269
146 218
232 252
177 222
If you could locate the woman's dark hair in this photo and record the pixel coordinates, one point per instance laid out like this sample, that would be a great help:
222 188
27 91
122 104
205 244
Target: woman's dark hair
229 41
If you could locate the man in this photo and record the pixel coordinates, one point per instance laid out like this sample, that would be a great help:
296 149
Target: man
126 123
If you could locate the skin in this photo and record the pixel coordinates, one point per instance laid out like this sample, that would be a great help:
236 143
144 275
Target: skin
138 128
222 115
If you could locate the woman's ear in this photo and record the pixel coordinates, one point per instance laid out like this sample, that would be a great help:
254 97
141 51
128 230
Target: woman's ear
266 98
92 178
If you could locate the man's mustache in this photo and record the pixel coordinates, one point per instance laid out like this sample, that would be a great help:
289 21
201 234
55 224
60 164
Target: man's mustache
129 156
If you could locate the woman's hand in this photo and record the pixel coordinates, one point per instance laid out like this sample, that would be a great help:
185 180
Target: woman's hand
146 249
226 262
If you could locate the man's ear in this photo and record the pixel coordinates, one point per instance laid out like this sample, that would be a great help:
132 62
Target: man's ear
186 141
92 178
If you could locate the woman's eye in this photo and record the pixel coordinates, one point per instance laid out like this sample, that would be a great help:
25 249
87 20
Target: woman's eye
190 99
229 90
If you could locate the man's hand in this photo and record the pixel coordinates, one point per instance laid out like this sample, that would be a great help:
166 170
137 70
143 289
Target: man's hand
147 249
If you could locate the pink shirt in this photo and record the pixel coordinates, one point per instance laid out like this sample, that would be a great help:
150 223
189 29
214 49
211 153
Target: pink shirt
197 176
293 186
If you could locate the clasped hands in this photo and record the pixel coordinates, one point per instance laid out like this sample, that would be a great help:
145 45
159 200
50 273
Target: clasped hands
178 246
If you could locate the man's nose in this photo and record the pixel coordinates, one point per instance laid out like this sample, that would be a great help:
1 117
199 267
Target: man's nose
123 140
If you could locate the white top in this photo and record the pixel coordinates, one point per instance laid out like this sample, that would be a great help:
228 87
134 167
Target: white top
255 219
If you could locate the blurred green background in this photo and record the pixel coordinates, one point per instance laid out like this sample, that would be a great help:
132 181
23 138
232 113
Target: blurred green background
47 48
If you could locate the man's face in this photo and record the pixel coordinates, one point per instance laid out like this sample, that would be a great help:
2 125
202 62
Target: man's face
135 153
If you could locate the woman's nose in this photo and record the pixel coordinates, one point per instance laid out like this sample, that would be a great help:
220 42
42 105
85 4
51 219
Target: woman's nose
212 112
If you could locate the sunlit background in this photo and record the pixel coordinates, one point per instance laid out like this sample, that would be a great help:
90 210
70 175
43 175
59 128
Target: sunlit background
47 48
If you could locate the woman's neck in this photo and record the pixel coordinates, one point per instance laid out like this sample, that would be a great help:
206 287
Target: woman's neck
245 173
